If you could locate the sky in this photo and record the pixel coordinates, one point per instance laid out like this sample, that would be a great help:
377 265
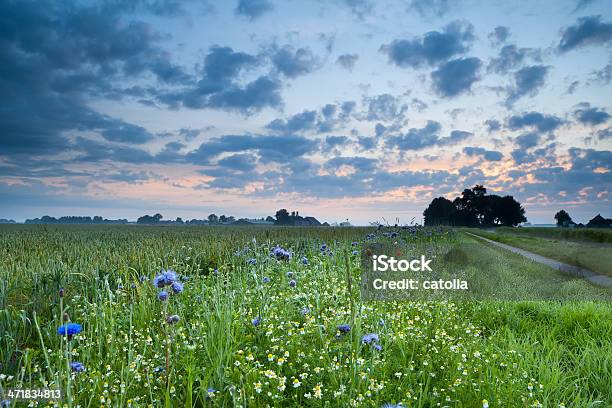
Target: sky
340 109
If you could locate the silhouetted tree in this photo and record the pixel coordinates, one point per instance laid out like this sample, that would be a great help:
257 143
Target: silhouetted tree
563 219
213 219
282 217
600 222
439 212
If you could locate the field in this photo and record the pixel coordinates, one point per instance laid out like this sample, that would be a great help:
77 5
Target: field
588 248
257 327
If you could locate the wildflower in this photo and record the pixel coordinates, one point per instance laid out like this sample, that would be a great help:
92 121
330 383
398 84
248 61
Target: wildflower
355 252
69 329
370 338
211 392
281 253
256 321
142 278
378 347
485 403
323 247
5 404
290 274
266 279
177 287
388 405
344 328
355 243
77 367
62 292
158 370
165 278
162 295
304 260
304 311
252 261
173 319
292 283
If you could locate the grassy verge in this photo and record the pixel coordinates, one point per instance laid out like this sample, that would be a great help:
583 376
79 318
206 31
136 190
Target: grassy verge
574 234
594 257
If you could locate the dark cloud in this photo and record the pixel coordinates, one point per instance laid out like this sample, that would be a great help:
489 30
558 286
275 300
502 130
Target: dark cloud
347 61
604 75
489 155
582 4
126 133
332 142
528 140
511 57
253 9
524 155
492 125
293 62
535 120
572 87
418 104
499 35
432 48
240 162
587 31
591 115
359 8
527 82
456 77
189 134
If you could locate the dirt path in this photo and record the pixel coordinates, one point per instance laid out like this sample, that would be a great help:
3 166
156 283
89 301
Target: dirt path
560 266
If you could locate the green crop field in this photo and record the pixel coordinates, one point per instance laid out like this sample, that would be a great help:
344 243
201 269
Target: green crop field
237 323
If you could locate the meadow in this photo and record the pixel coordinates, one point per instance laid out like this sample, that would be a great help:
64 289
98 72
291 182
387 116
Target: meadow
127 316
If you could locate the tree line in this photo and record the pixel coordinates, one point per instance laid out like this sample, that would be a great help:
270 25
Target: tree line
474 208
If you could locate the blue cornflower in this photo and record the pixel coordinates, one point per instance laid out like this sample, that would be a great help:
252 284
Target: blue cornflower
143 278
370 338
292 283
5 403
305 261
344 328
210 392
252 261
266 279
304 311
323 247
159 369
355 243
377 347
69 329
290 274
163 295
165 278
389 405
281 253
256 321
355 252
177 287
77 367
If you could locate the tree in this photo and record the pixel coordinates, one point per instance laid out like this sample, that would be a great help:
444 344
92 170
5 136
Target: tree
563 219
439 212
213 219
270 219
600 222
282 217
507 211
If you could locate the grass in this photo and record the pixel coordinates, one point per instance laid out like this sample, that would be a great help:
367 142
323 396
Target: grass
592 256
442 353
600 235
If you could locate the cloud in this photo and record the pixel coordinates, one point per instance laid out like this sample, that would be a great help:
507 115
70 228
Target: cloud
511 57
347 61
253 9
604 75
328 118
431 8
126 133
456 77
499 35
427 136
385 107
432 48
527 82
582 4
587 31
492 125
489 155
528 140
535 120
359 8
293 62
280 149
239 162
593 116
